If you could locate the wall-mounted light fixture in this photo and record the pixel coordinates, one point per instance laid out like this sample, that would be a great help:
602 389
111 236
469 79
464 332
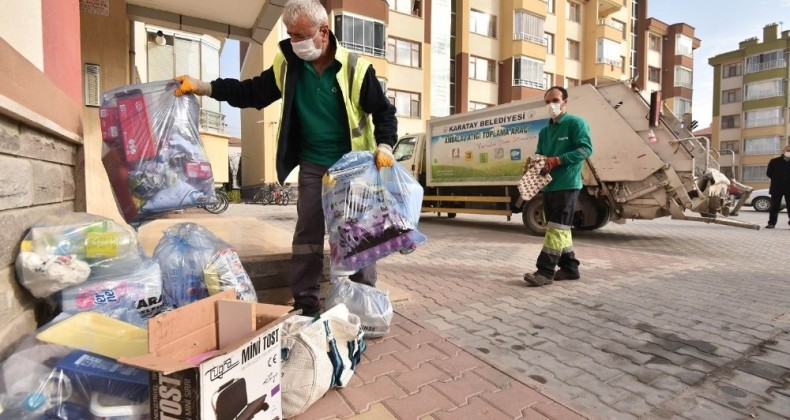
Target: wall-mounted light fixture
160 38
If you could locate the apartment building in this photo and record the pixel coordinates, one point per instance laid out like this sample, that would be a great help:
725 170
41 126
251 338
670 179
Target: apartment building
751 114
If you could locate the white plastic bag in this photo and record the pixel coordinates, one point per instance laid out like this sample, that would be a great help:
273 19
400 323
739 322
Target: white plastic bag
318 355
371 305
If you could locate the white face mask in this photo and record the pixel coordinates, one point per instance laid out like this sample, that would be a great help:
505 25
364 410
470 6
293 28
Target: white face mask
555 109
306 50
787 154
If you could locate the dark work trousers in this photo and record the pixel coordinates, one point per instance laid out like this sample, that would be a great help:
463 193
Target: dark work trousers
776 203
557 249
307 260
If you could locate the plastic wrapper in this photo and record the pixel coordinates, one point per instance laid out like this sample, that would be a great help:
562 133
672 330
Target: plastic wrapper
40 380
66 249
184 253
132 297
371 305
152 150
369 213
224 271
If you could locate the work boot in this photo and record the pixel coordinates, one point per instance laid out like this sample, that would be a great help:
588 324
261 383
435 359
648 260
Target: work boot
566 275
770 226
311 311
537 279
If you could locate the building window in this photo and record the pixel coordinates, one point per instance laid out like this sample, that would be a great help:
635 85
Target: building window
574 50
569 83
482 23
528 72
551 6
608 52
683 77
755 173
477 105
529 27
654 74
729 145
763 117
409 7
403 52
730 96
765 61
407 104
762 145
681 106
683 45
548 80
574 12
620 25
730 121
549 43
655 43
361 35
731 70
481 69
764 89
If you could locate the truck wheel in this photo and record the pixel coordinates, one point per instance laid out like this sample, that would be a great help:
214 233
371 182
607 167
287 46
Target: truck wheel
532 216
451 215
602 214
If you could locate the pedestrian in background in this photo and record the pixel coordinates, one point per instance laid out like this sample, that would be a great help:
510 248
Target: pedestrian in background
779 174
566 140
332 101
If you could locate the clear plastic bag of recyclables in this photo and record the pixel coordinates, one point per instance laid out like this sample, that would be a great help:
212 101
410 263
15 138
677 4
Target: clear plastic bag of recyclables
189 251
152 150
369 213
65 249
371 305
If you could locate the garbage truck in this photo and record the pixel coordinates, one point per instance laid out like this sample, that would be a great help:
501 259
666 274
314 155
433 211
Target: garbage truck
645 164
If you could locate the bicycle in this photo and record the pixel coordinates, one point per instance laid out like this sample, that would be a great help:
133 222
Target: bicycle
278 195
223 201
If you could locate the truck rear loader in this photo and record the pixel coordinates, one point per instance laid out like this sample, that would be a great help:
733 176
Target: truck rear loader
645 164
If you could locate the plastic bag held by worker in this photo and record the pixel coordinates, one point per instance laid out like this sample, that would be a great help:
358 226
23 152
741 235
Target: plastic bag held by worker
65 249
188 252
152 150
370 213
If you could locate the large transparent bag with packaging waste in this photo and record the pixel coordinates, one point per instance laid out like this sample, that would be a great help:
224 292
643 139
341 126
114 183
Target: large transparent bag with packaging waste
66 248
369 213
371 305
188 255
152 151
42 380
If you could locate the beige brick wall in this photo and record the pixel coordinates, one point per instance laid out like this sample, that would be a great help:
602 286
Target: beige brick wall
37 173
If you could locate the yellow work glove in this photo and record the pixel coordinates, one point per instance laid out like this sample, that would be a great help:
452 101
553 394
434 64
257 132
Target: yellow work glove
189 84
383 156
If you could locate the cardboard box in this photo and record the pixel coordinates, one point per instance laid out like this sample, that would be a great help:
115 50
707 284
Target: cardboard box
110 124
215 359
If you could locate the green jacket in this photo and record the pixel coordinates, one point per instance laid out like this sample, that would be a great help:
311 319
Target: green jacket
569 140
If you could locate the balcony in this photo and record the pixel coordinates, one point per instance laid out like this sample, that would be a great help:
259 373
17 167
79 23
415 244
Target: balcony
212 121
610 29
608 69
767 65
529 84
607 7
764 122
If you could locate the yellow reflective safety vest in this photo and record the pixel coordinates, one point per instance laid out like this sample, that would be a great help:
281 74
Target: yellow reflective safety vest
349 78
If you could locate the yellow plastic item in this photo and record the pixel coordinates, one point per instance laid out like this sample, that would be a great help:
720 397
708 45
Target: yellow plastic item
99 334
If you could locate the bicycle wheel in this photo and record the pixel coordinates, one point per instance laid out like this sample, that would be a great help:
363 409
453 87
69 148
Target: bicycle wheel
221 205
269 198
258 197
286 198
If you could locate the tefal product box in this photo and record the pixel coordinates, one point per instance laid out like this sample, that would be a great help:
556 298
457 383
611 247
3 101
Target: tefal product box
110 124
197 170
138 138
215 359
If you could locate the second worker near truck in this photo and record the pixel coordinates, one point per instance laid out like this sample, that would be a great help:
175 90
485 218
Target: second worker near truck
566 142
